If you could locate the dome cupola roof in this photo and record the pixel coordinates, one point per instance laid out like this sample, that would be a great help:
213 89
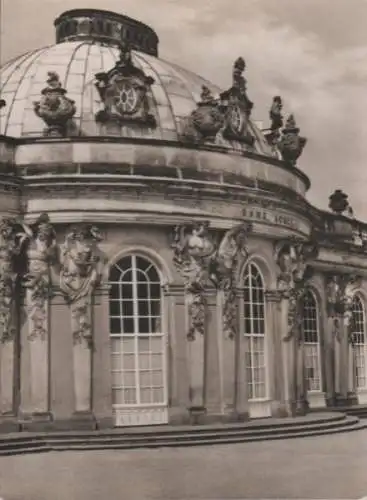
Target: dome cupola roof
103 77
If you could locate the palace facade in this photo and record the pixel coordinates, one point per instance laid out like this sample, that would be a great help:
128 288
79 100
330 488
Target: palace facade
159 260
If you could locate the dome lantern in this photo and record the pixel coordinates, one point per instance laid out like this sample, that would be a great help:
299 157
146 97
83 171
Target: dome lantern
106 27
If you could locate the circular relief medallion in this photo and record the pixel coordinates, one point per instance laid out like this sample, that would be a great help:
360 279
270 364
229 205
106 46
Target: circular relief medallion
237 120
125 98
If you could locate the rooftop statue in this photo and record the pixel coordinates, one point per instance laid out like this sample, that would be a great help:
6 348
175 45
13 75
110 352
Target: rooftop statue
291 144
55 109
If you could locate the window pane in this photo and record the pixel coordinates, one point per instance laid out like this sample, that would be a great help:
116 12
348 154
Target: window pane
254 330
135 313
311 341
360 344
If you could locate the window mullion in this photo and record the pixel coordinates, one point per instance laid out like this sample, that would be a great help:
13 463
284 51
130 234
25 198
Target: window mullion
136 326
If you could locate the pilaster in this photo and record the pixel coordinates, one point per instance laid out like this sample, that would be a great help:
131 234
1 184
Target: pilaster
61 361
241 389
178 378
277 389
101 359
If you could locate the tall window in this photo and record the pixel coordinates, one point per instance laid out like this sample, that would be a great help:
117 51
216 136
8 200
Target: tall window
360 343
137 340
310 322
254 329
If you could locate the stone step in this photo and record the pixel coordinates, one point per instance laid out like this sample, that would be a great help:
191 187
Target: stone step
24 450
200 434
127 438
256 424
168 442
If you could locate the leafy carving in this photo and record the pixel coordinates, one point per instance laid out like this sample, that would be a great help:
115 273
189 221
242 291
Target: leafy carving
231 251
11 242
292 257
193 253
80 272
340 302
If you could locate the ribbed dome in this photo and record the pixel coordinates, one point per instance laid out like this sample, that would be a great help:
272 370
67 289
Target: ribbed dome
174 93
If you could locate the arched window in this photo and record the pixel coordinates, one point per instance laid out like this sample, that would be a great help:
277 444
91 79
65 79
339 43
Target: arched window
360 342
137 339
311 336
254 330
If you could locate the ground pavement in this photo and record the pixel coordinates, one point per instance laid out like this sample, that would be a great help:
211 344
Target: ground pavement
325 467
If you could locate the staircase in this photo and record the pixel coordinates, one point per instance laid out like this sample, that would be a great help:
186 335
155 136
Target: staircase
359 411
314 424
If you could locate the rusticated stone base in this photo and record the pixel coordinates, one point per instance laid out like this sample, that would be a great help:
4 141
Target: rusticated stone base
178 416
36 422
200 416
338 400
83 421
105 423
9 423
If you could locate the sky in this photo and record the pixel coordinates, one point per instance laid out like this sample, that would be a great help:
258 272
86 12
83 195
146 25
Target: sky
311 52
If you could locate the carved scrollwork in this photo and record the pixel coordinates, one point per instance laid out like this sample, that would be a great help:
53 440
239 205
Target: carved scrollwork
124 92
80 272
11 241
231 251
193 256
339 299
41 254
292 257
55 109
